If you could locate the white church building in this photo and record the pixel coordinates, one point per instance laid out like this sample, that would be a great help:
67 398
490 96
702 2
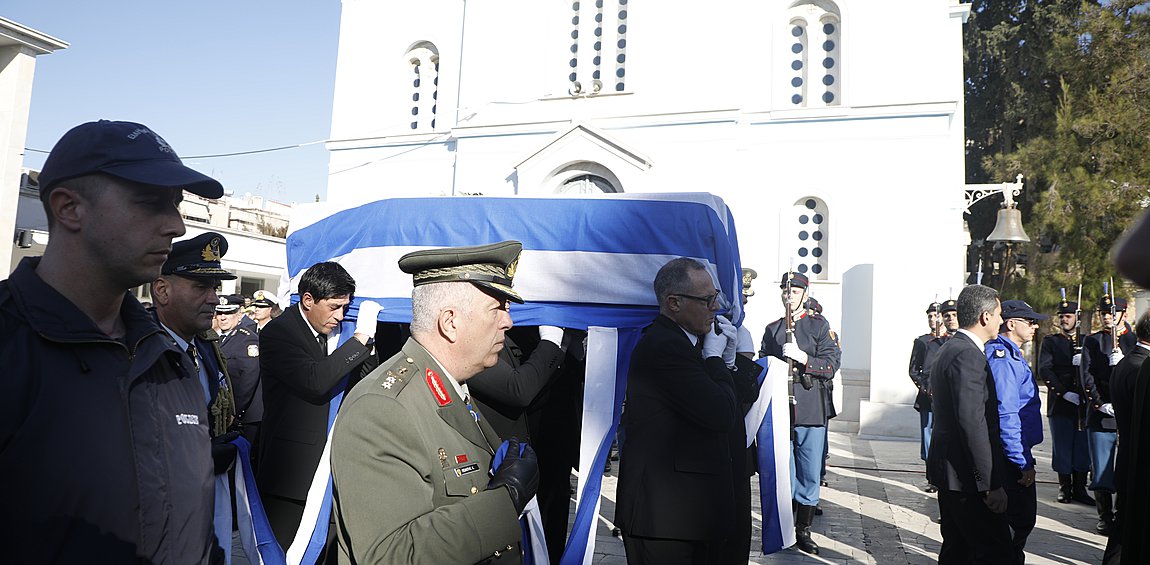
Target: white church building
832 129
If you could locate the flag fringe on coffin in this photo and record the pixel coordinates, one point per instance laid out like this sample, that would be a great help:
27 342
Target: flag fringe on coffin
587 263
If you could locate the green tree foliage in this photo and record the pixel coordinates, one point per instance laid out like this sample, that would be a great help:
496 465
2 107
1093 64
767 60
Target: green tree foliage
1076 123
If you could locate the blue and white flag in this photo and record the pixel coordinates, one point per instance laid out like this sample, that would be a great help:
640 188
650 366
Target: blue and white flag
769 423
587 263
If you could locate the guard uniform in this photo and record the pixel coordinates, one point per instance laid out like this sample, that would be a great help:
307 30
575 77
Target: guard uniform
921 380
812 334
1070 455
1101 429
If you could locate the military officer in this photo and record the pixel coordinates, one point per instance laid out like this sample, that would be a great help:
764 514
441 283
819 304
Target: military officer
813 353
1099 356
1059 359
185 299
410 455
920 378
241 347
265 306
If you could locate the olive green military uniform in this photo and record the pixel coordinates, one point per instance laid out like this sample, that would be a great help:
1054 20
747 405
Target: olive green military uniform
409 465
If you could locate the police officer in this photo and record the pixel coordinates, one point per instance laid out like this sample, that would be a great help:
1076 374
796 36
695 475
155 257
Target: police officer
1019 415
411 456
185 299
920 378
1059 359
812 352
1099 356
241 348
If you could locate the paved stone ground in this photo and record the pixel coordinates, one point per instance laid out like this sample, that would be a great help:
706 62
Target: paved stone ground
876 512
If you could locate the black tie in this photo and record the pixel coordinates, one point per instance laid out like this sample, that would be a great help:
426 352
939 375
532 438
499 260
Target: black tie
322 340
192 354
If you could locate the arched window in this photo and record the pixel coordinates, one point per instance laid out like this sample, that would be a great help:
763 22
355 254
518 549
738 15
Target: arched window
423 59
815 68
584 177
810 235
598 39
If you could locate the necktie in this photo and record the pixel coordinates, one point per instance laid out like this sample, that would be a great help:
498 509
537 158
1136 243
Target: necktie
322 340
192 354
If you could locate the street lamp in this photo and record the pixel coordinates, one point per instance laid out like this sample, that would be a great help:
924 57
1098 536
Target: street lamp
1008 226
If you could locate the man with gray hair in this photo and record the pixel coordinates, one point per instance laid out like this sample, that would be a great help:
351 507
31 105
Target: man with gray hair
676 499
966 461
410 453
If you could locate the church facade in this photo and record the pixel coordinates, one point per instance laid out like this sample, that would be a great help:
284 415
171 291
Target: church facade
832 129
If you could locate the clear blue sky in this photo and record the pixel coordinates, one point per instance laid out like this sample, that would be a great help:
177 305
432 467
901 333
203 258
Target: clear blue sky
211 76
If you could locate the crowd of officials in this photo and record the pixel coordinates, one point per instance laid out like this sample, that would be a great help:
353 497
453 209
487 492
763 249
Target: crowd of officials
981 416
123 427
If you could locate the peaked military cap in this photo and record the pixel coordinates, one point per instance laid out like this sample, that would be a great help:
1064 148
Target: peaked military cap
199 257
1106 301
264 299
748 276
949 306
933 308
798 280
1067 307
489 266
230 304
814 306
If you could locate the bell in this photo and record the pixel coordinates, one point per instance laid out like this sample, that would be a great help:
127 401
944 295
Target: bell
1008 228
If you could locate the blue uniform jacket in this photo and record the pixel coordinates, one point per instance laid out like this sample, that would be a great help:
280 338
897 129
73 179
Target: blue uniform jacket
1019 408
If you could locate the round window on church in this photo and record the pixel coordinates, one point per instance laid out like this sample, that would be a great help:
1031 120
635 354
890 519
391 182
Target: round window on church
803 235
802 267
802 252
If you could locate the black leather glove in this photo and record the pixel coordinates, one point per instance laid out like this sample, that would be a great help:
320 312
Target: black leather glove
519 473
223 452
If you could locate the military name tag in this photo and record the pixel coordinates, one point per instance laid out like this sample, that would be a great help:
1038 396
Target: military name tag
466 469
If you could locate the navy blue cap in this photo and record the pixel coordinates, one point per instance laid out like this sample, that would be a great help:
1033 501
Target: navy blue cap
949 306
230 304
797 280
199 257
1068 307
1020 309
814 306
933 308
125 150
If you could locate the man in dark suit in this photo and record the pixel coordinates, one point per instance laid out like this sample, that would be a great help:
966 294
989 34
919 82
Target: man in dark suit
675 496
966 461
1123 391
303 368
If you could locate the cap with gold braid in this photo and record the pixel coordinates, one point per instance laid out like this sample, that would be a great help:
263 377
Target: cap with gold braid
199 257
749 275
489 266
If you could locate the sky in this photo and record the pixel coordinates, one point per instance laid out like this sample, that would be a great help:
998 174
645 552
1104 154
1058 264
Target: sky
210 76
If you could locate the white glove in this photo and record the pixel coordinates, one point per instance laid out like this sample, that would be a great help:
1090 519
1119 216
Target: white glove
792 350
713 345
1115 358
746 343
732 334
1076 360
368 318
1072 397
1107 409
551 333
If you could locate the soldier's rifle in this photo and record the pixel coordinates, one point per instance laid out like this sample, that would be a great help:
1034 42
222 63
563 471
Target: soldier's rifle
796 372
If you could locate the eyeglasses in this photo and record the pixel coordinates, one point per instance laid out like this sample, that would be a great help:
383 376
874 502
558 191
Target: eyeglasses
708 300
1034 323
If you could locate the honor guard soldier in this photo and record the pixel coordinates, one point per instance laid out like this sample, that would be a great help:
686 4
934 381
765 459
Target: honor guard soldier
185 298
806 343
1100 353
919 376
1059 359
949 312
241 348
411 457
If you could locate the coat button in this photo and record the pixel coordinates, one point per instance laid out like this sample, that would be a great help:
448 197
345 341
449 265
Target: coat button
497 554
410 360
474 490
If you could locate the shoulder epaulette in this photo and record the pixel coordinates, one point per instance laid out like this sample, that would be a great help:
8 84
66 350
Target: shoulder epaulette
393 379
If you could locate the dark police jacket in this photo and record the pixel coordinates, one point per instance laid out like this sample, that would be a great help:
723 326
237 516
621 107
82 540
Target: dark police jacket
675 475
966 452
1096 349
104 450
299 383
1056 369
918 374
241 348
813 336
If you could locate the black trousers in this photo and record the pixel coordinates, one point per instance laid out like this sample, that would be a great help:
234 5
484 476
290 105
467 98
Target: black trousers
736 549
1021 513
658 551
971 533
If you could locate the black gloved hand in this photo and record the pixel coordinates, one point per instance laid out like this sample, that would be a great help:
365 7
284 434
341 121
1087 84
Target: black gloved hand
519 473
223 452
